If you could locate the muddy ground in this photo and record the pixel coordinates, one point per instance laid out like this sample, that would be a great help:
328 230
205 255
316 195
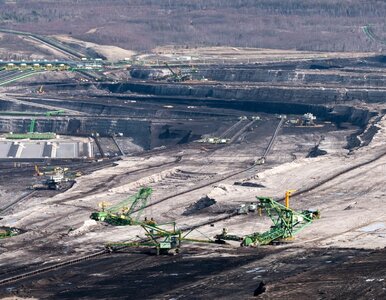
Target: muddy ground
266 273
336 166
200 271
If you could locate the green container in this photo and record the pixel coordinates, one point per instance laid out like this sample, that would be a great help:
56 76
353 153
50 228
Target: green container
31 136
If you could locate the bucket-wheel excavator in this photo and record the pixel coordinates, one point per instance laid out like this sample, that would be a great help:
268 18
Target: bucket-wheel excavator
164 238
286 224
178 76
126 212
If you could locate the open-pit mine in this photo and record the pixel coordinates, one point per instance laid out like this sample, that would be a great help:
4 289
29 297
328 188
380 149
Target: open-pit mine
191 173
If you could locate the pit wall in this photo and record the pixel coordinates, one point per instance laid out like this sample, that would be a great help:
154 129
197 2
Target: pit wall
277 74
127 111
6 105
328 104
314 95
139 131
145 134
295 76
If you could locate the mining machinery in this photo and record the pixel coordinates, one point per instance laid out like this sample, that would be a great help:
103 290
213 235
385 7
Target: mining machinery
40 90
54 113
32 134
49 170
37 171
213 140
56 179
286 223
308 119
6 232
178 76
262 159
32 126
163 238
168 238
126 212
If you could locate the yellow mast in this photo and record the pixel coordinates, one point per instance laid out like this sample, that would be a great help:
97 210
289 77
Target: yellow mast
287 197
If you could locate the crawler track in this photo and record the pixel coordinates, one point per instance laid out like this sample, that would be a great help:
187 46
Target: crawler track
272 141
100 253
340 173
18 77
300 192
97 188
71 53
50 268
219 179
18 200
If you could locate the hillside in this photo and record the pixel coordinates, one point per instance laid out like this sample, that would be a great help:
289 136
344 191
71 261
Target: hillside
323 25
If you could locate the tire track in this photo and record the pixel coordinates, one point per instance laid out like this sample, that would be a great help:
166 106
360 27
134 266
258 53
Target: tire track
7 207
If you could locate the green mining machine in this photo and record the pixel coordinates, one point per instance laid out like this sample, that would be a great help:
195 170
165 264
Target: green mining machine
6 232
286 224
167 238
164 238
126 212
32 134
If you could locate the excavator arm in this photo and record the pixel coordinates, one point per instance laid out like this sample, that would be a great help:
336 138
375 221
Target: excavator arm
123 212
38 172
171 70
286 223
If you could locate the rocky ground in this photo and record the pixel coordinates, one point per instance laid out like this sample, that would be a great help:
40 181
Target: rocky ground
336 166
351 232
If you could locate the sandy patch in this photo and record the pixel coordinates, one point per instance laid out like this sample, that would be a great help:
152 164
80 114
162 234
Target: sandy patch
112 53
92 30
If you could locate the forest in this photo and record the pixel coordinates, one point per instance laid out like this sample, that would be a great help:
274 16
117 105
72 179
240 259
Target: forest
320 25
